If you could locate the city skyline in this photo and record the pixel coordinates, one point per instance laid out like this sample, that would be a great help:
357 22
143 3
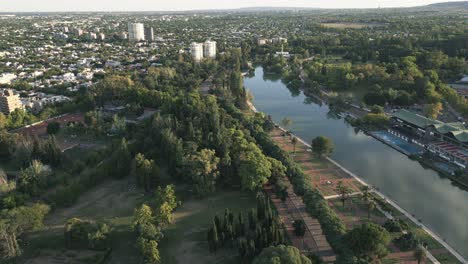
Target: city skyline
186 5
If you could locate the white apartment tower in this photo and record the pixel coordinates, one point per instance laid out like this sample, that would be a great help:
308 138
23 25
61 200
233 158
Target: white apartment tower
197 51
209 49
136 32
149 34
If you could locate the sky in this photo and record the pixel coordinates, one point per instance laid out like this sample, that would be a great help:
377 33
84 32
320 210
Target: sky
180 5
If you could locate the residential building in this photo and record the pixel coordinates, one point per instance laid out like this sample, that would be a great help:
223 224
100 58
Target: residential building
123 35
197 51
9 101
6 78
262 41
279 40
92 35
77 31
112 63
136 31
209 49
149 34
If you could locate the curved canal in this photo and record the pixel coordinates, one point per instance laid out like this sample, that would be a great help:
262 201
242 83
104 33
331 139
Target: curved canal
436 201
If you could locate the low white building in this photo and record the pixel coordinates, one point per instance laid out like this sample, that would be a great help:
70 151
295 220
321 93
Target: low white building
69 77
6 78
112 64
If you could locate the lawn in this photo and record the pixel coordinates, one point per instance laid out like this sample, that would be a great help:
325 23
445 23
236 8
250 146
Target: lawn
112 202
324 174
185 239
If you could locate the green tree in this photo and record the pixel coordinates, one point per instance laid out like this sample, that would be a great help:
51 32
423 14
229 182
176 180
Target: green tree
146 172
3 121
15 222
294 143
368 241
254 169
343 191
281 255
149 250
420 254
122 160
53 128
432 111
165 202
203 166
322 146
299 227
32 179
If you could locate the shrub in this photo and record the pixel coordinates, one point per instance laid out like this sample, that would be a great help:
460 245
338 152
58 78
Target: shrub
406 241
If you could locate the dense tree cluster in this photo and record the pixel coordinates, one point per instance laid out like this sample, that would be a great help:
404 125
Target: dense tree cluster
149 222
281 255
86 234
261 229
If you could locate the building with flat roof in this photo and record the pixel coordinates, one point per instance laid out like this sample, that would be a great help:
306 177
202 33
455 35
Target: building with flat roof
448 140
9 101
149 34
136 31
209 49
197 51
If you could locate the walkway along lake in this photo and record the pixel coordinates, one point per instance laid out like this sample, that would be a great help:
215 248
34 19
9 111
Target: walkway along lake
435 201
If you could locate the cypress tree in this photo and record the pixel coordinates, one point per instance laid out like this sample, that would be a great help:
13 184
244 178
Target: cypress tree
231 218
223 239
214 238
242 248
251 250
241 225
260 208
217 223
252 222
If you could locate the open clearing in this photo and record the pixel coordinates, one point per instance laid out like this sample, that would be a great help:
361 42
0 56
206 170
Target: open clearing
185 239
112 202
325 175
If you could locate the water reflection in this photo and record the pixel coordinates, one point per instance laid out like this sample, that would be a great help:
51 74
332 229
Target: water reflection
433 199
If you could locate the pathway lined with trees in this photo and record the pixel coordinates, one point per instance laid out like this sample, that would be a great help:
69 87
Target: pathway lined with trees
292 209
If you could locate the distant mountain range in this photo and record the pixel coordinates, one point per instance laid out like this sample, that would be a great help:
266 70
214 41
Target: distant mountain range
442 5
462 4
450 6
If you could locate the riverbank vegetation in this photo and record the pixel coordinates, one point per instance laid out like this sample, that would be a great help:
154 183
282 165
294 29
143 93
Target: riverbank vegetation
153 189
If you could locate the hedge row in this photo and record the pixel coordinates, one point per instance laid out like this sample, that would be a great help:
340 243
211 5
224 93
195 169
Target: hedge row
314 201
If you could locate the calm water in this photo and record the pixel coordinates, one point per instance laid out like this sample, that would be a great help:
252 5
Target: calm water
439 204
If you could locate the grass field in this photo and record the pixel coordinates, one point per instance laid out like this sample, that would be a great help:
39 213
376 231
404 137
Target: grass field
185 239
325 175
112 202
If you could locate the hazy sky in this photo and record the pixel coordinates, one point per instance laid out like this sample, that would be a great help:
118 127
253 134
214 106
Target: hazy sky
170 5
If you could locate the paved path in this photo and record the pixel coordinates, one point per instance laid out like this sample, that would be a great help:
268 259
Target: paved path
408 215
293 208
338 196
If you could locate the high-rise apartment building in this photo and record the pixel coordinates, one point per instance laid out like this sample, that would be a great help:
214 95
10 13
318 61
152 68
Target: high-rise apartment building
197 51
209 49
136 32
9 101
149 34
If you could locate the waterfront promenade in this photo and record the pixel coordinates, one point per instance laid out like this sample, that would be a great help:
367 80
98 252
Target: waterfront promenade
409 216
